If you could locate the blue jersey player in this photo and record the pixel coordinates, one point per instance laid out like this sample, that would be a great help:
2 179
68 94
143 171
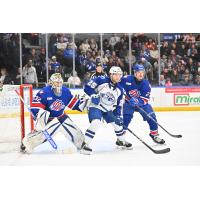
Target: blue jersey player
106 102
138 92
48 109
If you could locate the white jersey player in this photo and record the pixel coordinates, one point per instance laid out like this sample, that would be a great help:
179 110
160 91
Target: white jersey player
106 101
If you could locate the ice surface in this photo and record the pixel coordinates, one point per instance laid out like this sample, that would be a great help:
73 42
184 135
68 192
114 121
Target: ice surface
184 151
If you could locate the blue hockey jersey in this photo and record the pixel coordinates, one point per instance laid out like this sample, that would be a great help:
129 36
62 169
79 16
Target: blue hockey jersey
111 96
47 100
138 89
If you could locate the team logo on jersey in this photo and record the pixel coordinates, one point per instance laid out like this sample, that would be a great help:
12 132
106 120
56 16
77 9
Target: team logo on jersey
127 83
49 98
36 99
134 93
107 98
57 105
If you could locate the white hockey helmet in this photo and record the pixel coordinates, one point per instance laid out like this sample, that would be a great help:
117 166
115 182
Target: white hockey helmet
115 70
56 82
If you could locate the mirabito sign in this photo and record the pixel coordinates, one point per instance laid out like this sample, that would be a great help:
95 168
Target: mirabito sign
186 99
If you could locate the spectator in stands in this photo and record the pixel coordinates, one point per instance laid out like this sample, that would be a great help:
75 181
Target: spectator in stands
114 39
189 38
85 46
187 73
150 44
154 54
186 81
18 76
33 56
174 47
41 67
130 58
192 52
74 80
168 82
175 77
148 68
55 66
191 66
106 45
61 44
5 77
123 51
29 74
93 45
166 72
68 58
182 50
163 62
145 53
162 80
197 80
93 56
173 58
165 49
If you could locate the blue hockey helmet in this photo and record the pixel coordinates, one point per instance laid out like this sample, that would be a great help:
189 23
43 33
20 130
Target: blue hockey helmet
138 67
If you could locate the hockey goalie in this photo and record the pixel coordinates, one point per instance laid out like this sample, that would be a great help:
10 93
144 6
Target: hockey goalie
48 110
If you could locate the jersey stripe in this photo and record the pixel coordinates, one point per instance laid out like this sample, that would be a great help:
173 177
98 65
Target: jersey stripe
37 105
72 103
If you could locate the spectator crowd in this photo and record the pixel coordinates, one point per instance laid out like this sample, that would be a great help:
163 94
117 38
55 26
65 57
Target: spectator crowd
179 57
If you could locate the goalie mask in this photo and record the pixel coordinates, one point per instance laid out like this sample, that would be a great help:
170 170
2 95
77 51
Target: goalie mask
56 82
115 74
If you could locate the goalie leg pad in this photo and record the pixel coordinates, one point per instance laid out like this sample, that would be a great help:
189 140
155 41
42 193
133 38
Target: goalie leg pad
72 132
37 137
42 119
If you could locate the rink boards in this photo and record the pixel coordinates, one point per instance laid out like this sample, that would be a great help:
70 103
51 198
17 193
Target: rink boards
162 99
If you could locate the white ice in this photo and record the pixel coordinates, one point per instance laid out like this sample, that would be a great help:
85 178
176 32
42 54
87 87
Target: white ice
184 151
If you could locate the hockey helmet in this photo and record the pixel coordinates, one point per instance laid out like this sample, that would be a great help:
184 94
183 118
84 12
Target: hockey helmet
56 82
115 70
138 67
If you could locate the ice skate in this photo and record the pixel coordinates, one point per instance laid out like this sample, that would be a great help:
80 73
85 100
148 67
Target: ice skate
156 139
85 149
124 144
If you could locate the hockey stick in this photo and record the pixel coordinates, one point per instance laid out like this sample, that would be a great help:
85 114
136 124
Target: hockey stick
149 116
161 151
46 134
142 110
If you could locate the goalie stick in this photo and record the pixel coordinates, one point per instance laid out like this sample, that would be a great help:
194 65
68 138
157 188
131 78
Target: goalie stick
45 132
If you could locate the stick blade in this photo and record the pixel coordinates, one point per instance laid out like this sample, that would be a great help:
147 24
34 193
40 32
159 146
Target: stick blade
162 151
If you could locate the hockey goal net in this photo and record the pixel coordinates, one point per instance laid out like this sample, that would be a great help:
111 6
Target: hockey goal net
15 120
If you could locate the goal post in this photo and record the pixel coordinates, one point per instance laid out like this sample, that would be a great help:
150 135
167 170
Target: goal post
15 120
22 111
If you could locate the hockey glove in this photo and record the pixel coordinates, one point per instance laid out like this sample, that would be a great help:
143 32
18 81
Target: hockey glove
95 99
119 121
134 102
